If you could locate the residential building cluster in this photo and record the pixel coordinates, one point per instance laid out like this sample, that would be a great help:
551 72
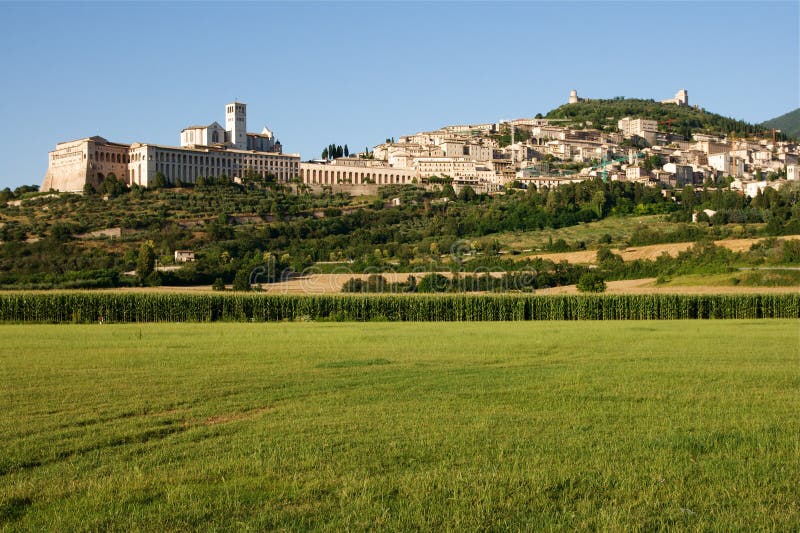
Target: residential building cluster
472 155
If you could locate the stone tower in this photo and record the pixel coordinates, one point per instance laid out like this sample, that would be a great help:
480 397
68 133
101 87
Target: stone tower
236 125
573 96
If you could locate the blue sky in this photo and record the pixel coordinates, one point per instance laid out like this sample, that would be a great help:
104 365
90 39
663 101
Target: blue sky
360 72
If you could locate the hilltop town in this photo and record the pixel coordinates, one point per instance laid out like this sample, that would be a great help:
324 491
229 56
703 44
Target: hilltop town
487 157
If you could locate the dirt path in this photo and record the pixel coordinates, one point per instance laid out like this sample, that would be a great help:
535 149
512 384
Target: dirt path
332 284
648 286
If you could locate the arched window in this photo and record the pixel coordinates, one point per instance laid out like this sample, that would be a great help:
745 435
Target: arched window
215 137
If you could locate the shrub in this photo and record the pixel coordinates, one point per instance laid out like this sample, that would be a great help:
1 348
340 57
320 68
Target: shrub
242 280
433 283
791 251
591 282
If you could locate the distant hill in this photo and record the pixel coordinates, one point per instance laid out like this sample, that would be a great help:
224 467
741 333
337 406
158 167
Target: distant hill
789 123
685 119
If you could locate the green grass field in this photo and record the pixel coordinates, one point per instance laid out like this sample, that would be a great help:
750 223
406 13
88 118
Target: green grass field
406 426
619 228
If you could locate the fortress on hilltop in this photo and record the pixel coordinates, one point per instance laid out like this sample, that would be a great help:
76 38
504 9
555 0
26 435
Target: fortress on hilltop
680 98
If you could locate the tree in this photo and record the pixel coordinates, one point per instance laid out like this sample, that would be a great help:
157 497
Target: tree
241 282
599 203
60 232
160 181
219 285
111 186
467 194
654 161
146 261
24 189
346 151
636 142
324 153
687 198
608 260
591 282
411 284
434 282
448 191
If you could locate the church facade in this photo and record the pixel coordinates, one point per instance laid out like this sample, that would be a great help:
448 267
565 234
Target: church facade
207 151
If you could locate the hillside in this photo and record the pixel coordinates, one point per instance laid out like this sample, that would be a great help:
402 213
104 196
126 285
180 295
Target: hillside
71 241
685 120
789 123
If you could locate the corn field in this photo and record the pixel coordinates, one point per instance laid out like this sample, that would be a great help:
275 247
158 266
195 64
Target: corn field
94 307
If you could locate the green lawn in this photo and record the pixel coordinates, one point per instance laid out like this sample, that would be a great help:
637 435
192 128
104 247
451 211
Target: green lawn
406 426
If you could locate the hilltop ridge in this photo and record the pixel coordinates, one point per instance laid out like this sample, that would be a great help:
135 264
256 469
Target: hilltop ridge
684 120
788 123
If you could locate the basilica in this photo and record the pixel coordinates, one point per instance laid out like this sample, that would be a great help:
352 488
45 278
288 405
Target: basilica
204 151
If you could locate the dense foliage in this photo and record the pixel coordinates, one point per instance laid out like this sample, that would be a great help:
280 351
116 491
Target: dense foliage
789 123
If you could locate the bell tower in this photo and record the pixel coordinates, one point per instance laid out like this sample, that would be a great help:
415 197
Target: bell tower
236 125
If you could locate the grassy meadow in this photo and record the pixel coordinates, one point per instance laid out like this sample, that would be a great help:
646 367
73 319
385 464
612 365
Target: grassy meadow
619 228
401 426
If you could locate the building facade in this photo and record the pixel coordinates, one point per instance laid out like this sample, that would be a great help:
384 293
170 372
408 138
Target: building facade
186 165
355 174
73 164
793 172
726 165
637 126
680 98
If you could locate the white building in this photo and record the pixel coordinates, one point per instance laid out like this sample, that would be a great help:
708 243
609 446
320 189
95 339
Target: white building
641 127
793 172
636 174
680 98
355 173
210 135
454 167
185 165
234 135
726 164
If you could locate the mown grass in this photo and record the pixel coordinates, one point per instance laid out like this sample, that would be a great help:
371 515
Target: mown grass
406 426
